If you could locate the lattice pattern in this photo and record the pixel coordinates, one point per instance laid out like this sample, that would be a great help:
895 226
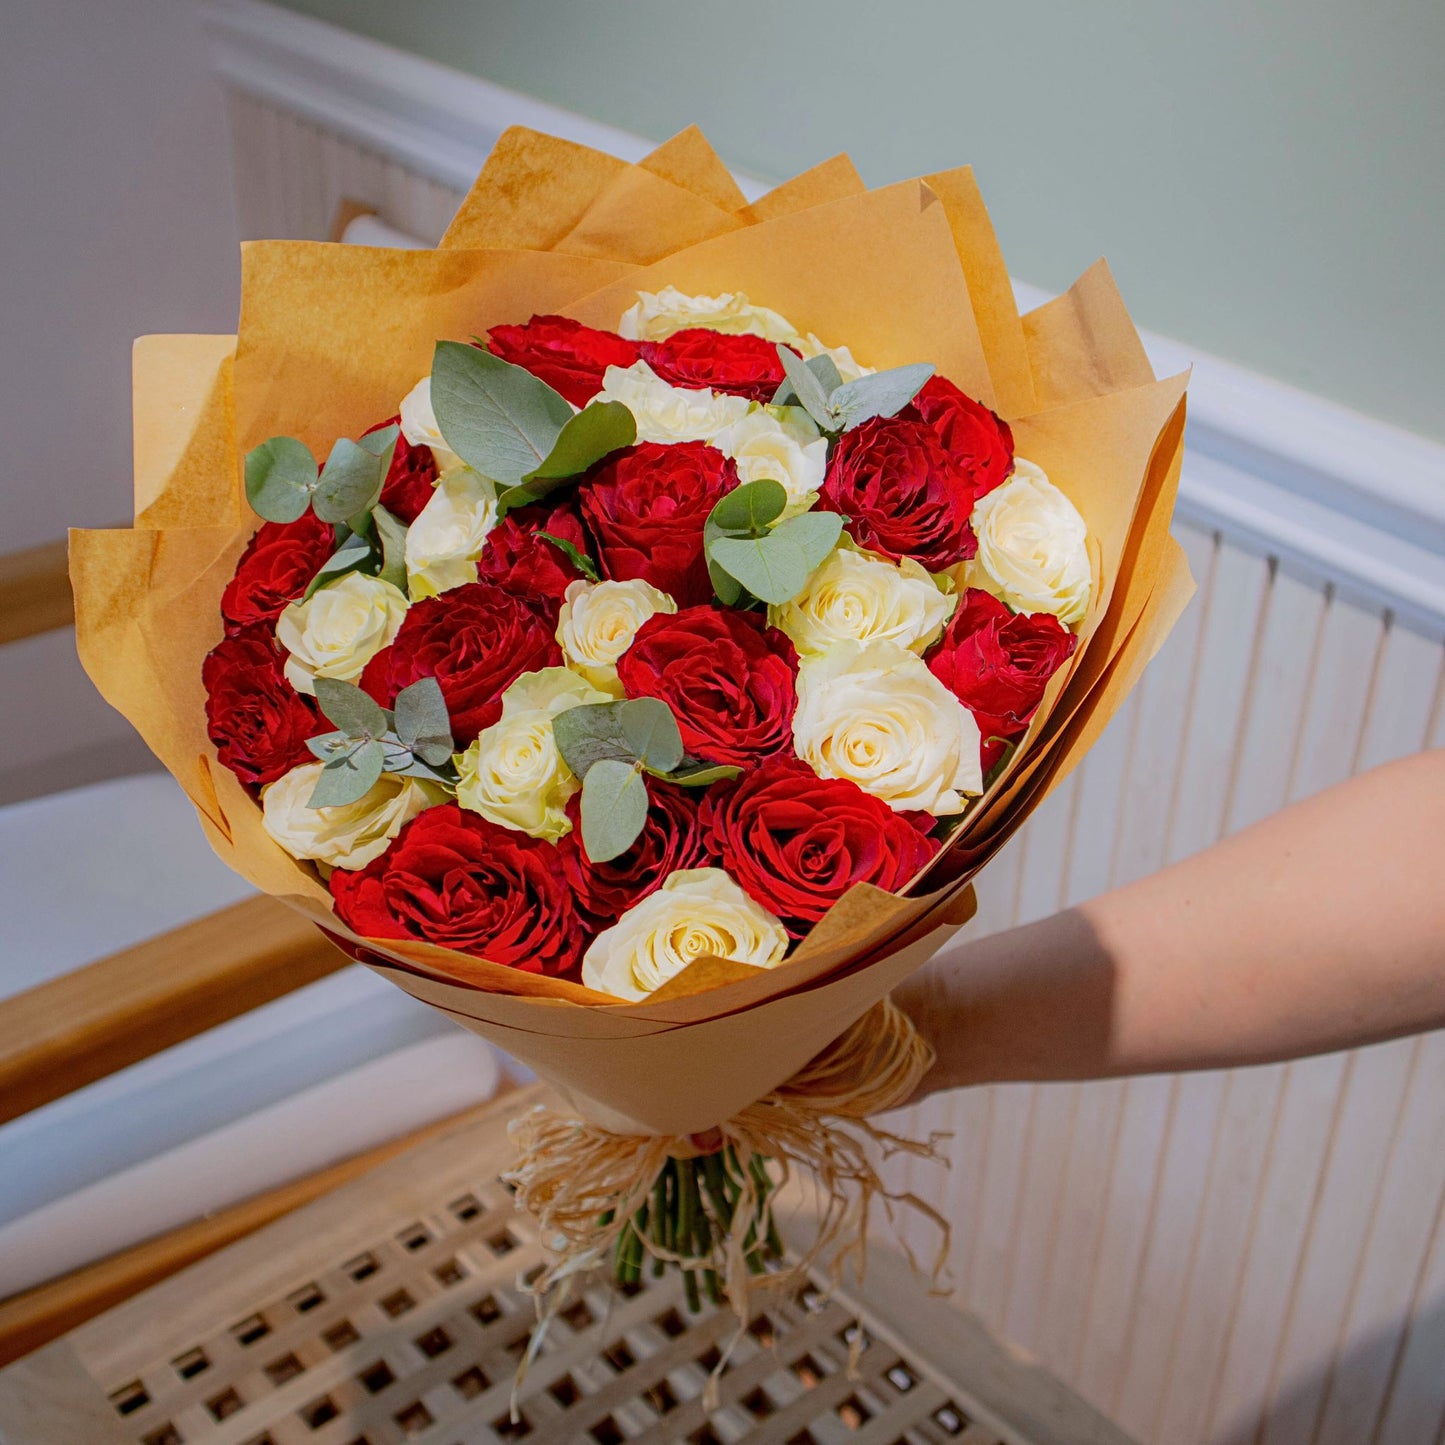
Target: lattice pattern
416 1339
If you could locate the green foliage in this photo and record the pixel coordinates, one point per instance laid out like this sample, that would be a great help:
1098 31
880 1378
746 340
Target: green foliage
614 808
602 428
839 406
280 479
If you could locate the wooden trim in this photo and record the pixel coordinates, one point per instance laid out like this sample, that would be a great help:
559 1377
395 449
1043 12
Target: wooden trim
67 1033
34 592
37 1316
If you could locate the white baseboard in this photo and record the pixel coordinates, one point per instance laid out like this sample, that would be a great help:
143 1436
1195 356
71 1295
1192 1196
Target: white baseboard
1353 501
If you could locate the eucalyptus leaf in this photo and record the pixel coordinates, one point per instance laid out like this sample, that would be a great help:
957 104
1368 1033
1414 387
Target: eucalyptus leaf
353 711
884 393
772 568
348 777
650 730
501 420
280 478
749 509
381 443
327 745
353 554
590 734
728 590
403 764
421 720
614 808
824 368
700 775
602 427
580 560
809 390
814 533
391 532
350 482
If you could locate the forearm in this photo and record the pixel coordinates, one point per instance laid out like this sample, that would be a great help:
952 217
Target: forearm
1319 928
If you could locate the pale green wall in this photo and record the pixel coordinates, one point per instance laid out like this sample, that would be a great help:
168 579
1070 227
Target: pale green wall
1265 176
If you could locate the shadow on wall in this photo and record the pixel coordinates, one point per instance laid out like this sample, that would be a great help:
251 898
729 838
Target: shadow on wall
1386 1388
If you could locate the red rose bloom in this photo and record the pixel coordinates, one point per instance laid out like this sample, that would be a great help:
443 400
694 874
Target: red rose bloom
476 641
529 566
411 478
978 439
670 839
258 722
997 664
275 569
727 676
904 493
646 507
456 880
569 357
709 360
796 843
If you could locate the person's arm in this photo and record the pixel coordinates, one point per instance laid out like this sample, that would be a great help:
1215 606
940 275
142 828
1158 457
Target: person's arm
1322 927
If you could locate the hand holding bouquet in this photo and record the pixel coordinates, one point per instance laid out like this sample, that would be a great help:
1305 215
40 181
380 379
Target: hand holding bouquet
649 630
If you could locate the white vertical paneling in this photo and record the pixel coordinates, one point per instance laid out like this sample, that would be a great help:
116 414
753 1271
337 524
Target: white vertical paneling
1245 1258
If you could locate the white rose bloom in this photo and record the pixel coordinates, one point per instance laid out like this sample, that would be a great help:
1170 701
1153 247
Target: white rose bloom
856 596
781 444
598 622
339 629
419 425
657 315
1031 547
669 413
850 370
873 713
697 913
349 835
513 774
447 537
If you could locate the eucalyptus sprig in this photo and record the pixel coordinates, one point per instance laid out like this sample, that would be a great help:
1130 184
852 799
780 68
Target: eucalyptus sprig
512 427
838 405
610 746
376 547
282 479
750 551
412 739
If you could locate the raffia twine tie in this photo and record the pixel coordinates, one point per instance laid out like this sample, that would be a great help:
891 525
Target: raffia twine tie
583 1183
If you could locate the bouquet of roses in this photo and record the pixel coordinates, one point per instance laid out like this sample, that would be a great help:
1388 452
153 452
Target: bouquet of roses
646 685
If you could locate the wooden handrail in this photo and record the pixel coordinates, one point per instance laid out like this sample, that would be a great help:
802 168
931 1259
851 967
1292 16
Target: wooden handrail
34 592
67 1033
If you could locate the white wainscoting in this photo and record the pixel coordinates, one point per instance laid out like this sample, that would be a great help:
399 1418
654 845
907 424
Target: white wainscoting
1254 1257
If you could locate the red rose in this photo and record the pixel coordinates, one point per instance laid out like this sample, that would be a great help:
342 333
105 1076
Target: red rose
476 641
646 508
258 722
670 839
997 663
411 478
569 357
727 676
275 569
978 439
904 493
708 360
456 880
796 843
529 566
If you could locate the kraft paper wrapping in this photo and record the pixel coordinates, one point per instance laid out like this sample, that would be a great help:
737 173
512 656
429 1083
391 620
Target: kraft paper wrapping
332 337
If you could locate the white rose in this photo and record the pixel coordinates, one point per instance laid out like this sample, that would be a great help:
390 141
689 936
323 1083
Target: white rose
859 597
669 413
419 425
598 621
447 537
349 835
339 629
658 314
697 913
873 713
1032 552
850 370
782 445
513 774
